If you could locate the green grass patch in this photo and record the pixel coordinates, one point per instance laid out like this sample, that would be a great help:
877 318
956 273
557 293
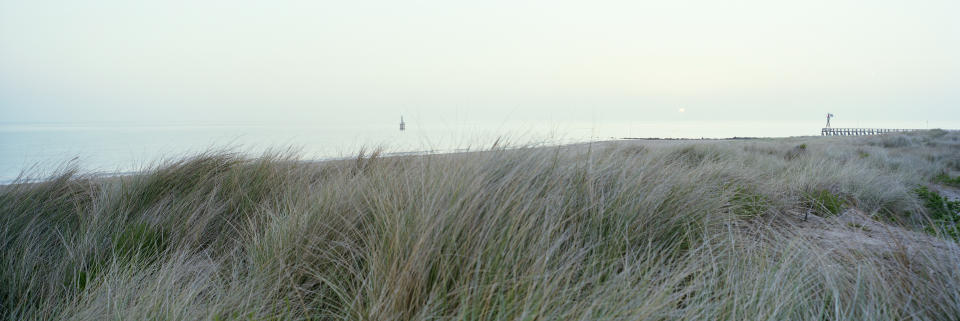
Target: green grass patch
78 279
945 179
825 203
944 213
747 203
140 242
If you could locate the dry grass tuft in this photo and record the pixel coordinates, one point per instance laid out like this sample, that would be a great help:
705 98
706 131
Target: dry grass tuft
697 230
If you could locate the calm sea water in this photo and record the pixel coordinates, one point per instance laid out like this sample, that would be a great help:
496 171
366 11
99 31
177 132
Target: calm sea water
38 149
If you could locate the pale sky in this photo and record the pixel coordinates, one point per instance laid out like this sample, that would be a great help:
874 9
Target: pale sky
348 61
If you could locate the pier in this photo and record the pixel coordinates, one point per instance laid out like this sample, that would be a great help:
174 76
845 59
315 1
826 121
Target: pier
827 131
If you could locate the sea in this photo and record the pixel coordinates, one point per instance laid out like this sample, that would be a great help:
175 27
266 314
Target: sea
37 150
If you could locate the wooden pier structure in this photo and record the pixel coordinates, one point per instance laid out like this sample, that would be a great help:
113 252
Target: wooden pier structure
827 131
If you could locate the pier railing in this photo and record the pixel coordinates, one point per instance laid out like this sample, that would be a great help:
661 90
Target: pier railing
861 131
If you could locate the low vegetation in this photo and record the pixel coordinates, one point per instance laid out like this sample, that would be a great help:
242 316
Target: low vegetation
816 228
945 179
944 213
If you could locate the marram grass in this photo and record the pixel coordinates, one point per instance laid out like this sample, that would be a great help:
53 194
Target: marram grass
818 228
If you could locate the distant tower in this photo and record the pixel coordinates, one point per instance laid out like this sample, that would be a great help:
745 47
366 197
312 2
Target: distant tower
403 125
829 115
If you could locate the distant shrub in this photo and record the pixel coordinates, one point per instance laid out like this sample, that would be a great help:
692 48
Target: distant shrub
632 151
693 156
894 141
796 151
937 133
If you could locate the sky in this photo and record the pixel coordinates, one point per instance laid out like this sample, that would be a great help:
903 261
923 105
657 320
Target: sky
355 61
